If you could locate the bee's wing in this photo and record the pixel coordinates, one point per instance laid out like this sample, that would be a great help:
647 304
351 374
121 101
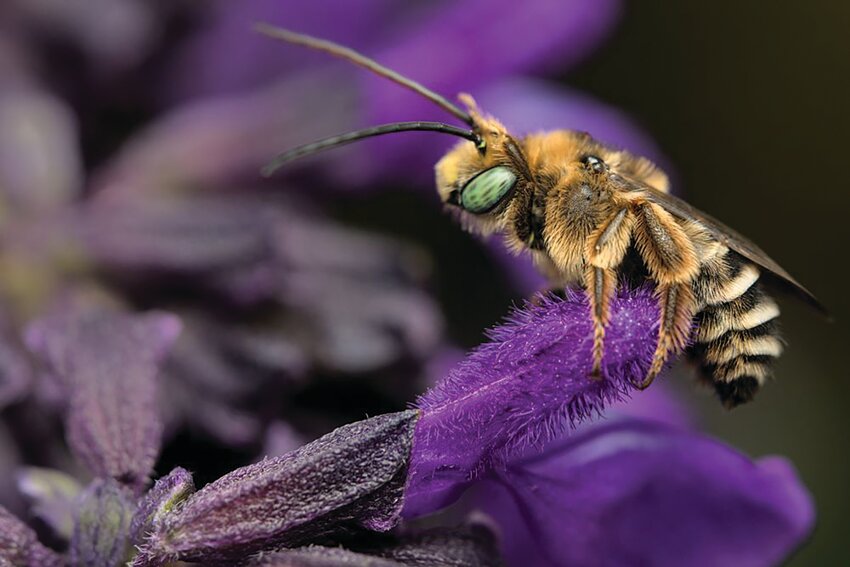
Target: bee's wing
733 240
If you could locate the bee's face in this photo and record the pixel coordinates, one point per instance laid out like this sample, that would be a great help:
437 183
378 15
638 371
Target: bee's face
478 182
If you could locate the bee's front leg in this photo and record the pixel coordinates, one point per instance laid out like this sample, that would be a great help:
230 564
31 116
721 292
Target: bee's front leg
600 284
605 249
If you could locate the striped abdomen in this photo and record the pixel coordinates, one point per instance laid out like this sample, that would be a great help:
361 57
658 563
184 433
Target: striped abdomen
736 336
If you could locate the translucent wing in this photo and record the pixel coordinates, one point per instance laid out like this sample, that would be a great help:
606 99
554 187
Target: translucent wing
733 240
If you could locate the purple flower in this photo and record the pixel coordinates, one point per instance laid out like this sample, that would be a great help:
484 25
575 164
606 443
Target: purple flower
107 364
643 493
102 525
20 546
168 493
354 476
612 494
523 388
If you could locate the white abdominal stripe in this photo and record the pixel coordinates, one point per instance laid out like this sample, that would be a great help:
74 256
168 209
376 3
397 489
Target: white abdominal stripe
737 334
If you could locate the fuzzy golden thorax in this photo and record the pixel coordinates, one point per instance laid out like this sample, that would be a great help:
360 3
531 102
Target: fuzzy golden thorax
548 166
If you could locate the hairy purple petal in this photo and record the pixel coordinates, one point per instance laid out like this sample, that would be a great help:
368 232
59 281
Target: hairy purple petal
524 387
20 547
108 362
102 526
354 475
167 493
52 495
642 493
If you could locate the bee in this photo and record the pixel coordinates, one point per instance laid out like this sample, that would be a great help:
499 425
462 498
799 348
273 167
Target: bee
599 217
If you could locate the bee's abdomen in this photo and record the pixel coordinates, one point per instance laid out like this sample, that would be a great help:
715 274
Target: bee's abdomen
737 334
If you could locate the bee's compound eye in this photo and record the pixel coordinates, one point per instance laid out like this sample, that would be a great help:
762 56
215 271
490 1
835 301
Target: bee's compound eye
594 164
487 189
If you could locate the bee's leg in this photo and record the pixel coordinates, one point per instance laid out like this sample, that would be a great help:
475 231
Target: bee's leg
671 259
600 284
605 249
676 302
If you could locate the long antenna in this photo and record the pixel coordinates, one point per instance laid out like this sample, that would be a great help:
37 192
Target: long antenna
349 137
358 59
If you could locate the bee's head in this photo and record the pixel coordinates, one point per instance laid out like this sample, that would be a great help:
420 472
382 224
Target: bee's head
479 178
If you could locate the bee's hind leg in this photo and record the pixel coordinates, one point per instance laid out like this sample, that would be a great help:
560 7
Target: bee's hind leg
676 304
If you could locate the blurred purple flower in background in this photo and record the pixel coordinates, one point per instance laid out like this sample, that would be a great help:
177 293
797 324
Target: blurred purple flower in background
162 311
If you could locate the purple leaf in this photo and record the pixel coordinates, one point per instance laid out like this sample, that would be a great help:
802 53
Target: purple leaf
20 547
102 525
353 476
641 493
108 363
168 492
523 388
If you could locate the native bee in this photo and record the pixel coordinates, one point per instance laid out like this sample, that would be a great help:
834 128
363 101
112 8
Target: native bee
596 216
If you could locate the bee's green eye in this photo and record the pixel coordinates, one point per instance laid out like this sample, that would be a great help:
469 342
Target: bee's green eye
487 189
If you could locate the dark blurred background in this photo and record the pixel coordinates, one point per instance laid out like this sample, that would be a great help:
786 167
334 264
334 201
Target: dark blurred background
750 101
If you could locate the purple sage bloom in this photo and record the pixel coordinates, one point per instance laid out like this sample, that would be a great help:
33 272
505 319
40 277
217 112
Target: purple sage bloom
354 475
102 525
611 494
107 363
643 493
20 546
